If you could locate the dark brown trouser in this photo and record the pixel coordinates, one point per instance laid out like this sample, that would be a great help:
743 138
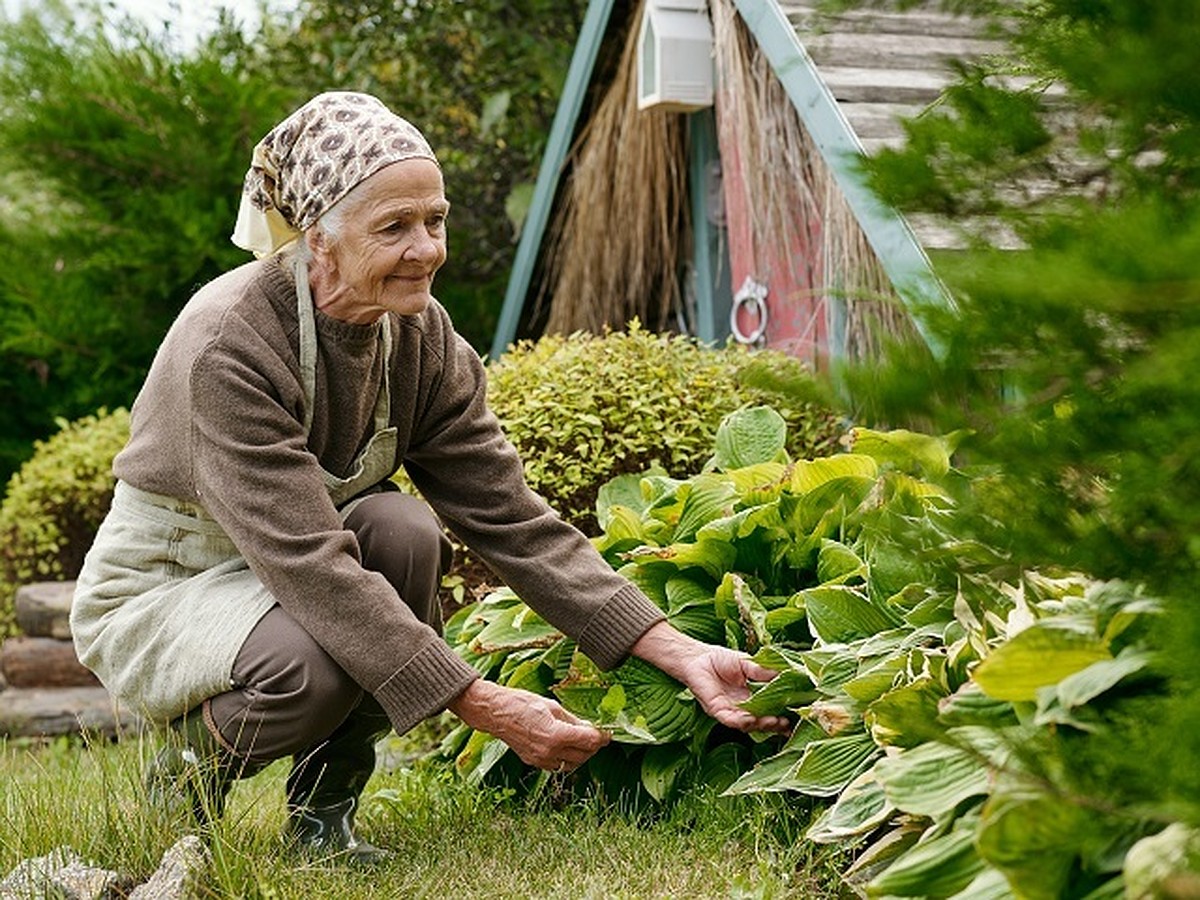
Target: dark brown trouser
292 699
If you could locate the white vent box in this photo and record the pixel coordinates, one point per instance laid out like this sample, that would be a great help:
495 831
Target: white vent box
675 56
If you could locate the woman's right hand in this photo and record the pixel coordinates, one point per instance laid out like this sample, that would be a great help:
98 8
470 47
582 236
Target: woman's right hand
537 728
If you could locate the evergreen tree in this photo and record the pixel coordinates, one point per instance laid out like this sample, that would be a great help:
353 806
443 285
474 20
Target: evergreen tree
1074 360
122 161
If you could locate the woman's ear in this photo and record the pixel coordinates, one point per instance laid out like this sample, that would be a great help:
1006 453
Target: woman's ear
318 244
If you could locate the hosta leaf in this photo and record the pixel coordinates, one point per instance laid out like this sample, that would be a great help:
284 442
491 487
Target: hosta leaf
1153 862
918 454
742 523
838 614
656 702
781 659
969 705
711 497
822 511
891 569
785 692
622 529
700 621
807 475
829 765
652 580
830 668
823 768
745 437
768 776
1087 684
876 680
720 766
859 809
933 868
990 884
907 715
881 853
735 601
625 492
781 618
714 557
1035 839
931 779
837 563
1040 655
759 483
516 627
661 768
481 753
683 591
529 675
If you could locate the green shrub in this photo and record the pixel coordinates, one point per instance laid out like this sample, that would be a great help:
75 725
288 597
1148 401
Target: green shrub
583 409
55 503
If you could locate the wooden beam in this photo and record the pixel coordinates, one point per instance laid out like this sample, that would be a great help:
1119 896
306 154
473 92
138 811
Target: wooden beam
710 257
562 130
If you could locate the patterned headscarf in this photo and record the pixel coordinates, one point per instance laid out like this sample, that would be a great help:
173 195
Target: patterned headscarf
312 159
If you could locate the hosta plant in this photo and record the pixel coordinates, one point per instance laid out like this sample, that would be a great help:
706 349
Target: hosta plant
726 554
944 699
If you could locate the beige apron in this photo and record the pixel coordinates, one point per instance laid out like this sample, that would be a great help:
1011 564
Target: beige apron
165 600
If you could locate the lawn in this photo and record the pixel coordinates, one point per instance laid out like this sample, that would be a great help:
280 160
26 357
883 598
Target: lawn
450 839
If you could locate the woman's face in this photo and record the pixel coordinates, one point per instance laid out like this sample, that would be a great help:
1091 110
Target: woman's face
391 242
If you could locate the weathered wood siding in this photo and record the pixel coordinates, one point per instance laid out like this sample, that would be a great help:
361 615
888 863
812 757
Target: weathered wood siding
883 67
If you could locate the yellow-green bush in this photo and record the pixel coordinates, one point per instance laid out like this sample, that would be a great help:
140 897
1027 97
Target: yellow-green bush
584 409
55 502
580 409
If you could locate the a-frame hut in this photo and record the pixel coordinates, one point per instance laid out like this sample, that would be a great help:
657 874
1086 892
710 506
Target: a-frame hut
749 217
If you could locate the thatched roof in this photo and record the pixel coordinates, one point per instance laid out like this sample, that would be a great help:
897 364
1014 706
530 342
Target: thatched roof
850 77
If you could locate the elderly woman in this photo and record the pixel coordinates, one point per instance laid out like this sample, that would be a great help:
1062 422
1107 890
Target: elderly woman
259 583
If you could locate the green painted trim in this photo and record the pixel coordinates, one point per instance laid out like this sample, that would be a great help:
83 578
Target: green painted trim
902 256
562 130
710 256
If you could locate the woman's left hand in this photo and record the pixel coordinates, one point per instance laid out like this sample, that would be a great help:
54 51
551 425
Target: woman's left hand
717 676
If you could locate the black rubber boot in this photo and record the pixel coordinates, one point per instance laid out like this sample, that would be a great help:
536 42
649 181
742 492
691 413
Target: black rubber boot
191 775
325 783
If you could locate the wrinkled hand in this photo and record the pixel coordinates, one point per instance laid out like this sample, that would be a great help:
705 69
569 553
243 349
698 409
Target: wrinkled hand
717 676
537 728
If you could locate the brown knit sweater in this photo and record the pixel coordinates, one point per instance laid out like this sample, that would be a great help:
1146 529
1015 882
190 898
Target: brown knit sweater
219 421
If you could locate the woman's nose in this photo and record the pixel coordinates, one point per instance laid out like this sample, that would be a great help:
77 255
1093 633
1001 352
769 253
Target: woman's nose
425 246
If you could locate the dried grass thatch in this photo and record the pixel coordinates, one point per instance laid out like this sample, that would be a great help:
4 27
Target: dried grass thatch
792 197
616 245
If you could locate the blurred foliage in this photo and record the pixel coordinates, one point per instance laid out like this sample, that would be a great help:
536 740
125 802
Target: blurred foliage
481 79
122 163
584 409
55 503
120 174
1073 360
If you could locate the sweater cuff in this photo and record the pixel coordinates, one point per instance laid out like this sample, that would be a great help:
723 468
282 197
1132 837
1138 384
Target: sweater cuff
424 686
611 633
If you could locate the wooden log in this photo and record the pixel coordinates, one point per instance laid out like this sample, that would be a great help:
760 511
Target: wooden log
48 712
43 662
44 608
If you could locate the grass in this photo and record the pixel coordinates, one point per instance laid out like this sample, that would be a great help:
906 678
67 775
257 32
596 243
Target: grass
450 839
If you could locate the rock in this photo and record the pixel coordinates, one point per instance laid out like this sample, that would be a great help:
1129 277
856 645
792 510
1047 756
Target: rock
63 875
43 662
46 712
180 875
43 609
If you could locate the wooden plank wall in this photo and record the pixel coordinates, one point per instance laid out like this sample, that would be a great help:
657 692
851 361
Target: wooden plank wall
883 66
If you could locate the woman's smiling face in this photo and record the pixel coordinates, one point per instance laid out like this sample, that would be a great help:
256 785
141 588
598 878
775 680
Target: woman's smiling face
386 246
